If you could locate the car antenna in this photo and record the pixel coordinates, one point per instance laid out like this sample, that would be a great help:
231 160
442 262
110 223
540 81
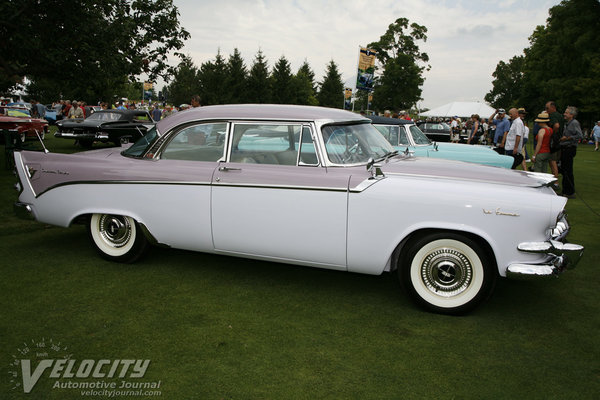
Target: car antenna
41 141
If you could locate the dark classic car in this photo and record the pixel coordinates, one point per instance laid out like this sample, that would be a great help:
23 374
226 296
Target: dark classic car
114 126
18 119
307 186
438 131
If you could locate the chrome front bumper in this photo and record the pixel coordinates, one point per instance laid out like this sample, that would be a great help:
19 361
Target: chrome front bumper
559 255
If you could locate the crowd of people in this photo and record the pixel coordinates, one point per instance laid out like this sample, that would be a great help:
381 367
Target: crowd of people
67 109
555 138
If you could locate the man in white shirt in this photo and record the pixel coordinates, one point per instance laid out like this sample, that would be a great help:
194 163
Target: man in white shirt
513 139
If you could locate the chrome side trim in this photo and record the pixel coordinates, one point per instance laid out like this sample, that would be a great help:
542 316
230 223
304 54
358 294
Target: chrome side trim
361 187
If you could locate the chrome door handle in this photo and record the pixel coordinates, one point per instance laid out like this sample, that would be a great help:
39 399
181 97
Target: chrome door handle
225 169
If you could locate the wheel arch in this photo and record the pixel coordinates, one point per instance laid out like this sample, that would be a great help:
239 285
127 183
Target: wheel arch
417 234
84 219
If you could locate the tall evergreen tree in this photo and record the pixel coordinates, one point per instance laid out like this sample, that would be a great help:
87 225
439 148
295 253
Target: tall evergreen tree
184 83
281 83
259 90
212 76
332 88
304 85
235 82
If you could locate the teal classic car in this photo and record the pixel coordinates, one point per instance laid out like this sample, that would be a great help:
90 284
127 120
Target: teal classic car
404 135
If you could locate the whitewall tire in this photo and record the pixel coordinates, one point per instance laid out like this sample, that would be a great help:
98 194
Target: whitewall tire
117 237
446 272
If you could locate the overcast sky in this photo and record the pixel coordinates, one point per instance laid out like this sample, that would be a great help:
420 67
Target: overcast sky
466 39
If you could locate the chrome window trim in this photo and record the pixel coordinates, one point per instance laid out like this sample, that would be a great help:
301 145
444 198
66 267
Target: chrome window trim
266 122
164 141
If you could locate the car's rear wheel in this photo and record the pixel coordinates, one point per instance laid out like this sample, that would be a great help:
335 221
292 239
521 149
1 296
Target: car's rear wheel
117 237
446 272
86 143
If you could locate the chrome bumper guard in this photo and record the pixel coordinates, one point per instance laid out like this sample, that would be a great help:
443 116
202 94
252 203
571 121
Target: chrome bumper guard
23 211
71 135
561 256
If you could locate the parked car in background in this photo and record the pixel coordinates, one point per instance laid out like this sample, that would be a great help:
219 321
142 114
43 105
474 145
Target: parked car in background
405 135
18 118
112 126
308 186
438 131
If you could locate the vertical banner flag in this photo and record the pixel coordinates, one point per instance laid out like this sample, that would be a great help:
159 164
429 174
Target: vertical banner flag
348 98
147 92
366 69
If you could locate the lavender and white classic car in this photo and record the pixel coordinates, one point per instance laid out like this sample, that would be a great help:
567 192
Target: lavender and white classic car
308 186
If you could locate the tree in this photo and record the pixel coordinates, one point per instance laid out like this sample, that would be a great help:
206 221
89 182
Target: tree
86 49
508 83
304 86
212 76
185 82
331 93
403 65
562 62
281 82
235 82
259 90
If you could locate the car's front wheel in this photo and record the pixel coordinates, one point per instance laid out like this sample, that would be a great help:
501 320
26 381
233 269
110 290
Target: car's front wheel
117 237
446 272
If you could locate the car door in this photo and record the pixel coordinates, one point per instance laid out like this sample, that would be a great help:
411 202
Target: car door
272 199
179 197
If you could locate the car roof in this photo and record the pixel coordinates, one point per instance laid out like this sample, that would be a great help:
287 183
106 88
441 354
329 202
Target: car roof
388 121
258 112
125 112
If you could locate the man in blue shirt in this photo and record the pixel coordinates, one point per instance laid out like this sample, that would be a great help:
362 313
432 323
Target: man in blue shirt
502 126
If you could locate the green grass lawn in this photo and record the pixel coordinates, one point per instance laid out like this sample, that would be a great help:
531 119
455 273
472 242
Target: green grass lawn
217 327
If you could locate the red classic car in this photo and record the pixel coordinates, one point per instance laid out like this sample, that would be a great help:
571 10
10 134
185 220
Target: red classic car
19 119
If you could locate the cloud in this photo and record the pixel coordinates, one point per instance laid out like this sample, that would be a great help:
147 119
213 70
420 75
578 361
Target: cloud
466 39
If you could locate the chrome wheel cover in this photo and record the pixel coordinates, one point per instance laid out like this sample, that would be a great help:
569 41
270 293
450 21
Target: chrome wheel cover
446 272
115 230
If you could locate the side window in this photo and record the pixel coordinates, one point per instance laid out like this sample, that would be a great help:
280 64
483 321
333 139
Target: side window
403 139
266 144
389 132
308 153
203 142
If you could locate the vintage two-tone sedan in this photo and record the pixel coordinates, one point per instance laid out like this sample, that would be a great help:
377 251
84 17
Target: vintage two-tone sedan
308 186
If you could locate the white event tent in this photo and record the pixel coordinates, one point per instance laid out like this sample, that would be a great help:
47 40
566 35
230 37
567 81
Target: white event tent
462 109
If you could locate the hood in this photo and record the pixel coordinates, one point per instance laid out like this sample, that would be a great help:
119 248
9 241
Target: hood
464 148
457 170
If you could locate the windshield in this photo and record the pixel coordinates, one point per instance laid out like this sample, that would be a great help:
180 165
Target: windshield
418 135
139 148
353 144
105 116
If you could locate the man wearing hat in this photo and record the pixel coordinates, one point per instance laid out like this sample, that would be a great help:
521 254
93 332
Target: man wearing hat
596 134
502 127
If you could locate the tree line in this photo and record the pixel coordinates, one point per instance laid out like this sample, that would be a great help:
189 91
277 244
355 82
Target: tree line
96 51
562 64
229 81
